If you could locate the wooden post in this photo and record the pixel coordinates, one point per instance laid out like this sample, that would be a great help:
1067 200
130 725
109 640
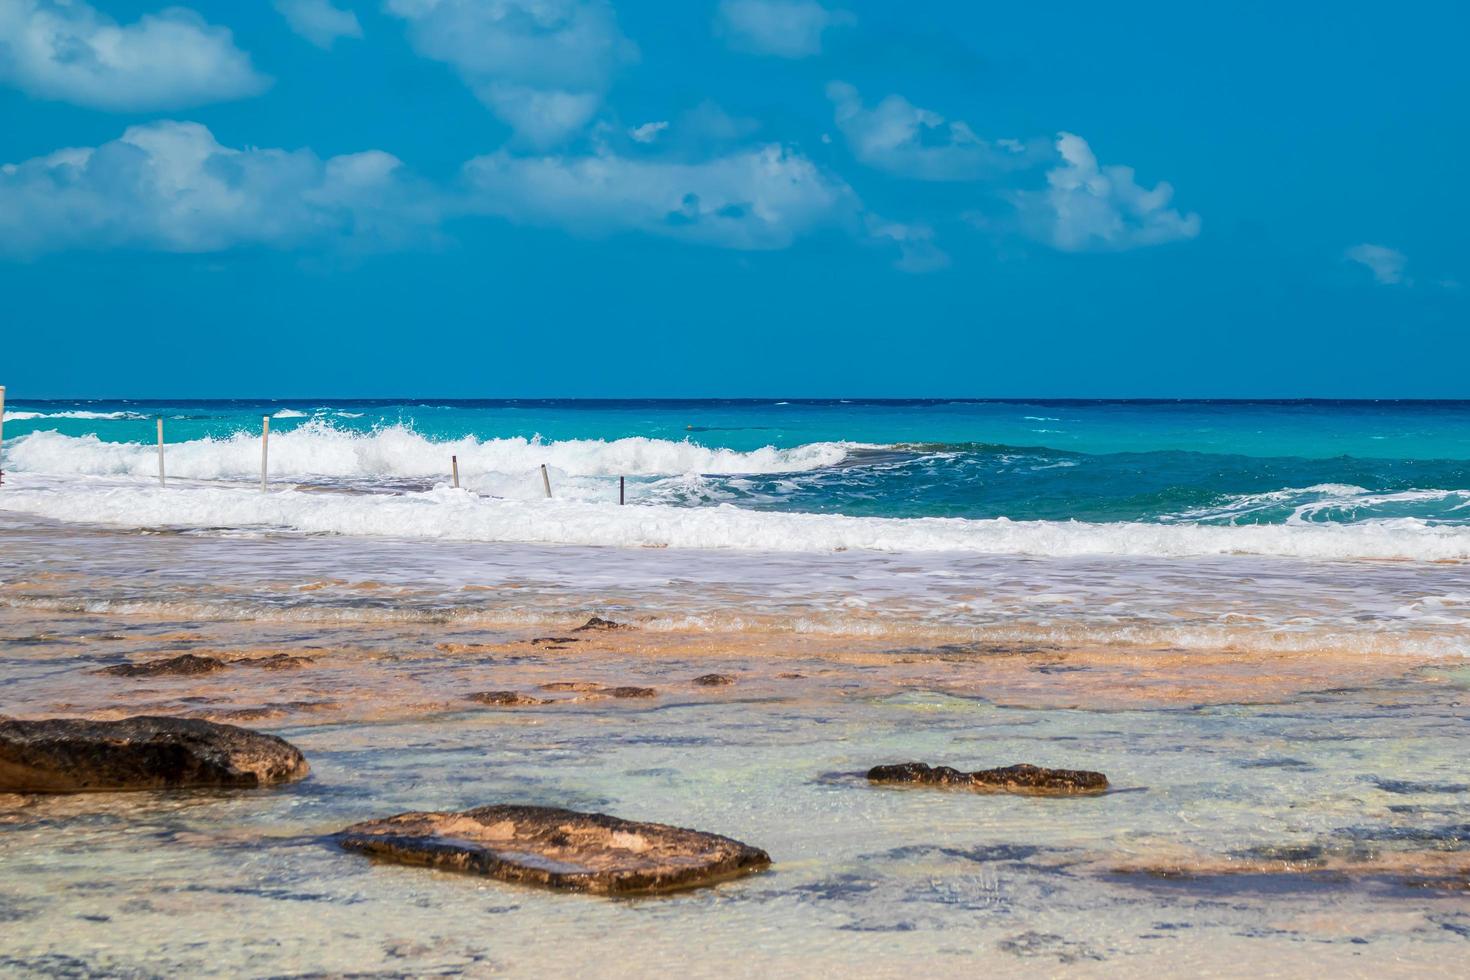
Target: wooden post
265 448
621 491
2 433
160 451
545 480
454 468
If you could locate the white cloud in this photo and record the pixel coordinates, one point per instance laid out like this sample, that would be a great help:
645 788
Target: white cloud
170 186
898 137
916 249
542 66
69 52
1386 264
785 28
1087 207
648 132
759 198
319 21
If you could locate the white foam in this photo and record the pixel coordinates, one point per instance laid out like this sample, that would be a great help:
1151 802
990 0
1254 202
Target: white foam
316 450
289 413
443 513
95 416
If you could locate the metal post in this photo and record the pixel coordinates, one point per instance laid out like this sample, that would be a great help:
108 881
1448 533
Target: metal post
545 480
454 468
622 499
160 451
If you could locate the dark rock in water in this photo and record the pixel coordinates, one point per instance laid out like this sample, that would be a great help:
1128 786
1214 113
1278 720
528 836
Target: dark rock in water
629 692
185 664
555 848
571 686
506 698
714 680
790 676
598 623
66 755
279 661
555 642
1011 779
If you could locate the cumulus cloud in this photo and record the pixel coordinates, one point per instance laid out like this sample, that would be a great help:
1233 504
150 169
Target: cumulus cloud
1386 264
784 28
898 137
1088 207
648 132
69 52
170 186
319 21
542 66
758 198
916 249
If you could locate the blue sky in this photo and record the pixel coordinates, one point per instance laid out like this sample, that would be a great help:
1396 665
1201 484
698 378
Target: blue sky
519 198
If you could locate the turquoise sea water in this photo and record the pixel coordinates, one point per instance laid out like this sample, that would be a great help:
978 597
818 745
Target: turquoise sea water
1172 462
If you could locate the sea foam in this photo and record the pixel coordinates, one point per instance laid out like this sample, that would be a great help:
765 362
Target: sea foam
443 513
318 451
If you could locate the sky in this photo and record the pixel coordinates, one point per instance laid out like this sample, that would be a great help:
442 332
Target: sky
725 198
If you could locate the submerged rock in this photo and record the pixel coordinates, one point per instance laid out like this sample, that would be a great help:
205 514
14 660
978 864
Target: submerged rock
278 661
506 698
571 686
598 623
67 755
554 642
714 680
1011 779
629 692
555 848
184 664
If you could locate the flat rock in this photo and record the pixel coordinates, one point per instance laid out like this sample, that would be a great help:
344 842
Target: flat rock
183 665
1009 779
598 623
555 848
714 680
505 699
554 642
629 692
67 755
278 661
571 686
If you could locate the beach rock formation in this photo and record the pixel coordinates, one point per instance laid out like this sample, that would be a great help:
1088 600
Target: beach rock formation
183 665
598 623
1009 779
714 680
72 755
505 699
629 692
555 848
571 686
553 642
277 661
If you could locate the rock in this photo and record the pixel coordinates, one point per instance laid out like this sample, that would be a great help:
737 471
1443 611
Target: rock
506 699
790 676
1011 779
185 664
67 755
279 661
598 623
555 848
714 680
554 642
571 686
629 692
